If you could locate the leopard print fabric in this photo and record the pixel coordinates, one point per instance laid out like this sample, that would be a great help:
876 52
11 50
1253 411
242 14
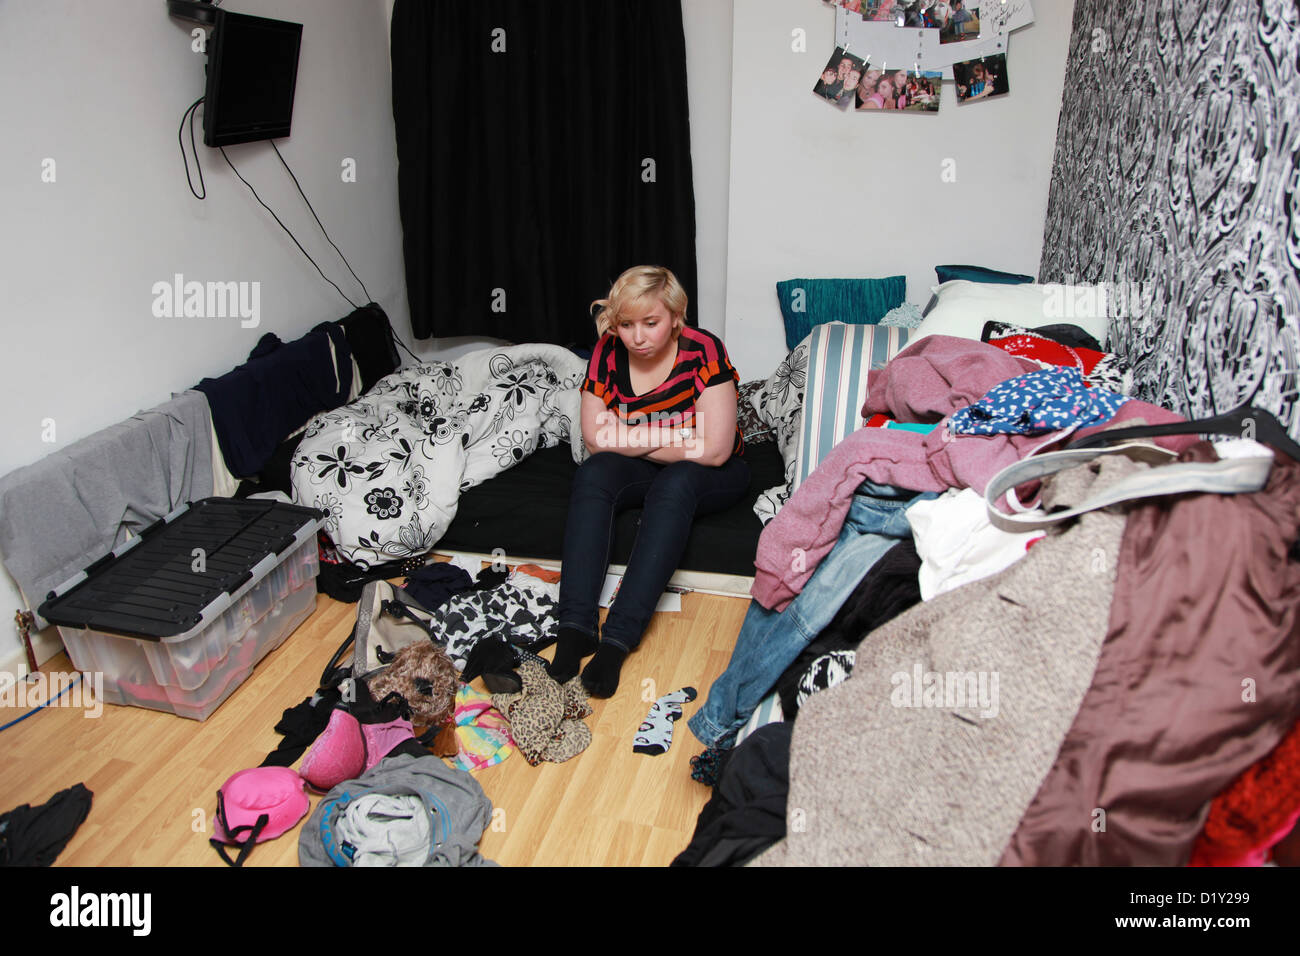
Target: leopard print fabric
546 720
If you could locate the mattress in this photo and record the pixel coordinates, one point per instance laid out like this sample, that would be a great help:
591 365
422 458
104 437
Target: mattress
523 512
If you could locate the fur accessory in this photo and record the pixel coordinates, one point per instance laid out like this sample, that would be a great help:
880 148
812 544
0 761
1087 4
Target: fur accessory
424 676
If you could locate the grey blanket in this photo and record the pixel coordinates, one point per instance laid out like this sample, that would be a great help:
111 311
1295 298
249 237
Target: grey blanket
457 811
78 503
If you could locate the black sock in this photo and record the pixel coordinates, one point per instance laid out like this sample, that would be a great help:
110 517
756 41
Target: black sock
571 647
600 676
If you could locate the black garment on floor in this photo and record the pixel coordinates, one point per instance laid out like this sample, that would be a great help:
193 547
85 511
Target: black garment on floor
345 581
370 336
278 390
434 583
301 725
891 587
35 836
746 813
490 577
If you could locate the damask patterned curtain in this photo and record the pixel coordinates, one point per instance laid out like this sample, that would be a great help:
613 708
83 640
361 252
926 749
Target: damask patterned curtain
1177 182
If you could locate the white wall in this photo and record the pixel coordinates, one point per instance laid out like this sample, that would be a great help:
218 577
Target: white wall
707 24
819 193
100 90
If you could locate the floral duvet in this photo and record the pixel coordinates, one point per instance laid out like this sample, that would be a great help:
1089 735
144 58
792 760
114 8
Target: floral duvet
389 468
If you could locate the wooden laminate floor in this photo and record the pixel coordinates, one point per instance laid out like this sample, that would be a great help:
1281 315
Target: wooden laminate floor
154 776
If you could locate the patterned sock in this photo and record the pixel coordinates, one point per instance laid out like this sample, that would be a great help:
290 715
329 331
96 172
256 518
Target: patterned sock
706 767
656 733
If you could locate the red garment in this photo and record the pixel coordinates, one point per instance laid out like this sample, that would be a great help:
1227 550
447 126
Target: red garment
1260 808
701 362
1042 349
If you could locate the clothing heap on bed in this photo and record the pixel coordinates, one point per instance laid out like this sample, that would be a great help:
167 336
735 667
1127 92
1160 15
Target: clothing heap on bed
1108 689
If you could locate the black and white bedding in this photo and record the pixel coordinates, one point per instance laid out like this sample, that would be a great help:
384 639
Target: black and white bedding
388 469
778 402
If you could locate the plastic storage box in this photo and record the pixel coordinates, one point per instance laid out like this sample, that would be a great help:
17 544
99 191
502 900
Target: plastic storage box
177 618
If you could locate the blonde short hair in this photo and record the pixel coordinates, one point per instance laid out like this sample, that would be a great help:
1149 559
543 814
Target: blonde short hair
636 284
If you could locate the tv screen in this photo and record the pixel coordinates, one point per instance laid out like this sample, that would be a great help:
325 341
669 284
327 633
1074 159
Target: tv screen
252 69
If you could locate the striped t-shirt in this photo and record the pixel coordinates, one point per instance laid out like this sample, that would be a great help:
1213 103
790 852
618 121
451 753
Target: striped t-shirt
701 361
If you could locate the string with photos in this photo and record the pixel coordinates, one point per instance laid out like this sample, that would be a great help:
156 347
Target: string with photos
844 72
948 40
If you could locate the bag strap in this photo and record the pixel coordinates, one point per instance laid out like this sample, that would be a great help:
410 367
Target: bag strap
400 608
1226 476
245 846
333 675
398 605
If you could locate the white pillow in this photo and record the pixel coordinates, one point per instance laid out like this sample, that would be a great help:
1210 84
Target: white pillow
965 306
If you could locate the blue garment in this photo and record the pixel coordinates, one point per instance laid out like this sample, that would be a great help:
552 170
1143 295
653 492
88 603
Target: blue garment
433 584
1048 400
671 496
769 641
280 388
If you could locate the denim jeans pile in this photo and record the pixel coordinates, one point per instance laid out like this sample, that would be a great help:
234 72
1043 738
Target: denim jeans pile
769 641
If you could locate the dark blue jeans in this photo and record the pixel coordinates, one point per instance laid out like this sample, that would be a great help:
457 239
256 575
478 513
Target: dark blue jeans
670 497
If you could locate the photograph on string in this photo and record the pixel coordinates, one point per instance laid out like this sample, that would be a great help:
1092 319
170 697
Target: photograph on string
899 90
864 8
840 77
961 23
981 78
921 14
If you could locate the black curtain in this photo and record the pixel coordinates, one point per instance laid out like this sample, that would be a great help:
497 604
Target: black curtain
523 134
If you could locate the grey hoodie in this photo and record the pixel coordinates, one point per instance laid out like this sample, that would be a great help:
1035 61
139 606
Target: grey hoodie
345 830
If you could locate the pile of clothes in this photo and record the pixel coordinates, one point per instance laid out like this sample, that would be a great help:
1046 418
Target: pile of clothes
375 735
1099 671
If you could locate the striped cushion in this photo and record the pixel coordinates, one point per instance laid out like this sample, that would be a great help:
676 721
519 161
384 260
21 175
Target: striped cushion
767 712
839 358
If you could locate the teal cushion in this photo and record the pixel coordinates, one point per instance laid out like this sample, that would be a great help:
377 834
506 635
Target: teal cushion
806 303
979 274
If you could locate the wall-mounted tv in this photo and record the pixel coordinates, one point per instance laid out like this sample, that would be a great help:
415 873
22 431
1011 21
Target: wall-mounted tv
252 70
